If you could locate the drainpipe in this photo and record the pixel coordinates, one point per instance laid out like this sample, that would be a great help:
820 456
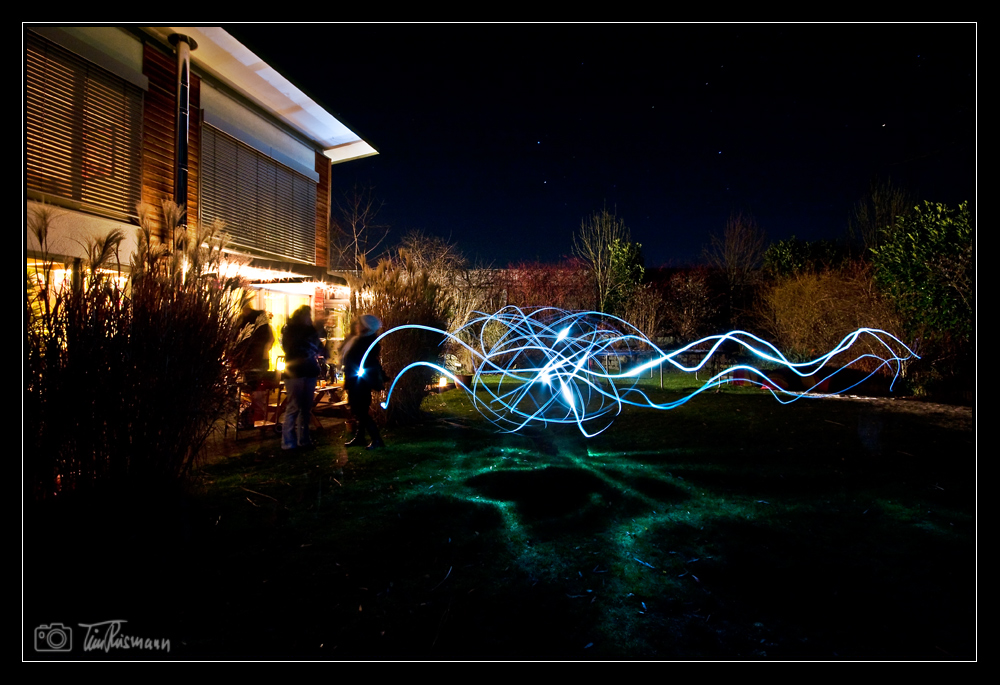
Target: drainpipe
184 45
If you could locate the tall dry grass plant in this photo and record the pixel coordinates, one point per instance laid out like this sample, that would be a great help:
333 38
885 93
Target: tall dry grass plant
125 379
398 293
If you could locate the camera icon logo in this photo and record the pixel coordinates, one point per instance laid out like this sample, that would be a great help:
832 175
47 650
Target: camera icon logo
53 638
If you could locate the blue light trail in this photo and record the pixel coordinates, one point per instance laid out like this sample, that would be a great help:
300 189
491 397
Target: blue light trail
552 365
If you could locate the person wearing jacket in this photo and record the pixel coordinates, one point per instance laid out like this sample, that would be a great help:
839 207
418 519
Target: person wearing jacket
253 347
302 346
360 382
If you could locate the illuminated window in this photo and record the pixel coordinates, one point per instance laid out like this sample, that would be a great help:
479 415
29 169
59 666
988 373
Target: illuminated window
83 130
280 307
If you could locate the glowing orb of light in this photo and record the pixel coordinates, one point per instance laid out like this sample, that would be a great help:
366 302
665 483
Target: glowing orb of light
552 365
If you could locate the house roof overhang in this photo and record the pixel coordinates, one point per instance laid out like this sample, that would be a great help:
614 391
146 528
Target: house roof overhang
219 54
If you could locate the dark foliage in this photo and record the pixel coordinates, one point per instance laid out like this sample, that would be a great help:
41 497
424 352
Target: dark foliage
125 379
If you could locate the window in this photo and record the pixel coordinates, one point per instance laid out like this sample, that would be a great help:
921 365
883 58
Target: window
83 138
266 206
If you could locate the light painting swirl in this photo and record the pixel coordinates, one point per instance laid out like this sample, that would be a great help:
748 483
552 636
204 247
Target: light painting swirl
550 365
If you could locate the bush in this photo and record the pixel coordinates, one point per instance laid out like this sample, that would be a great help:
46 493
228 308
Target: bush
786 258
926 264
125 379
808 314
534 284
691 304
465 290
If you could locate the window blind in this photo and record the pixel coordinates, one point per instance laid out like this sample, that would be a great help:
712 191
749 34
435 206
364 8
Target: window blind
83 130
265 205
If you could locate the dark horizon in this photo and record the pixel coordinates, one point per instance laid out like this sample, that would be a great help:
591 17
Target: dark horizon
503 138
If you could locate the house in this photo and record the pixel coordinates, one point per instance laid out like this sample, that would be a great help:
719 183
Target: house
117 116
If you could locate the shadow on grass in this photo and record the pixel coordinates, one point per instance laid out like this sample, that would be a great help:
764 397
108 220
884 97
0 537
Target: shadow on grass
542 493
555 501
431 576
659 540
825 585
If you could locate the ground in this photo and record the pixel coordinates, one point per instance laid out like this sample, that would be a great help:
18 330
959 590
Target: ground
732 528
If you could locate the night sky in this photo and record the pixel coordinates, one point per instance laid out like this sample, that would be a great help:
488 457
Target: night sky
503 137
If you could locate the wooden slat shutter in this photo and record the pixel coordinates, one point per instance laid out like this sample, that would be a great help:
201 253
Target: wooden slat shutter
266 206
83 130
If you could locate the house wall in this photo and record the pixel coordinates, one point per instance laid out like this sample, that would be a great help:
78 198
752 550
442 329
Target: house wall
322 210
153 68
159 119
115 49
70 231
120 53
233 117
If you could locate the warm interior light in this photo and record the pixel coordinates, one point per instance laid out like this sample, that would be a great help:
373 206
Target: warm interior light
339 292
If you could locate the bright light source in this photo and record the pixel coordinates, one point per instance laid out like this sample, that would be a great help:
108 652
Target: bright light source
567 394
523 361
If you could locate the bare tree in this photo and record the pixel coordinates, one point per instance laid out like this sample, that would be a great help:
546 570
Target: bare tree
878 210
465 289
604 245
644 309
737 254
690 305
355 233
740 249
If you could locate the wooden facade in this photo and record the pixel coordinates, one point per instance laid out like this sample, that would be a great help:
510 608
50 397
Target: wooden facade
155 159
158 140
323 211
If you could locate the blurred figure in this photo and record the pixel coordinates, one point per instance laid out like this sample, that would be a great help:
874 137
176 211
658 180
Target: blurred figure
254 339
360 382
302 346
253 349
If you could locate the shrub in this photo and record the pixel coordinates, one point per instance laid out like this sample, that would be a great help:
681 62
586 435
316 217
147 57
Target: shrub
644 309
786 258
807 314
465 290
533 284
690 304
124 380
926 263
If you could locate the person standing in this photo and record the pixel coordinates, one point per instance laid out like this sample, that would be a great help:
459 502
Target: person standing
302 346
253 347
254 339
361 381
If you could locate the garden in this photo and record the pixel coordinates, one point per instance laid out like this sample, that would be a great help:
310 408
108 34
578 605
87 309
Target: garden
731 528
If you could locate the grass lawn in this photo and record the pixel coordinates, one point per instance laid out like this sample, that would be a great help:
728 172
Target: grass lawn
730 528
